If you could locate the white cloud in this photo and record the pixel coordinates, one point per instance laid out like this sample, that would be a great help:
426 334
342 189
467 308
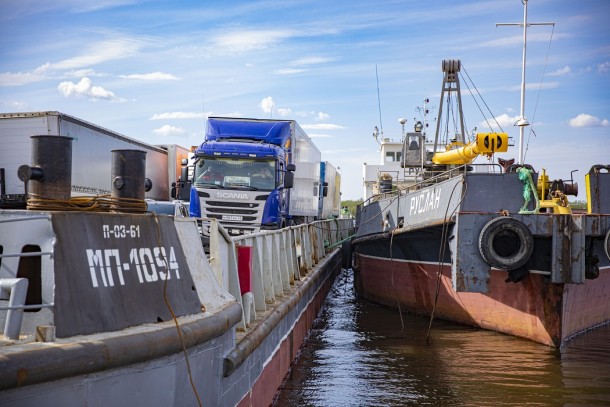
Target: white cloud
318 135
322 117
322 126
562 71
86 88
102 51
23 78
604 68
178 115
79 73
586 120
154 76
283 112
42 69
267 104
503 120
168 130
240 41
300 64
310 61
14 105
79 66
288 71
19 78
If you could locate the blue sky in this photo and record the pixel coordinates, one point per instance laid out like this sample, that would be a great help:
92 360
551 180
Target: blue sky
152 70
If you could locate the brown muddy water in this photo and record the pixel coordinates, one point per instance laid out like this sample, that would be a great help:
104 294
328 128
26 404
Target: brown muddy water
359 354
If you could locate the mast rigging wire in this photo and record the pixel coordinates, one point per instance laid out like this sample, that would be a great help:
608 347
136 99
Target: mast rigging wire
482 100
378 101
548 51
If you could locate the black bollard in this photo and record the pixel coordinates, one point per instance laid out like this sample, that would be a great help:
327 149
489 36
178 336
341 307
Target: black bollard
50 175
128 182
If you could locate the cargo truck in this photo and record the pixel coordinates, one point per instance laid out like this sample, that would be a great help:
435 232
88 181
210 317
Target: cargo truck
330 197
254 174
91 155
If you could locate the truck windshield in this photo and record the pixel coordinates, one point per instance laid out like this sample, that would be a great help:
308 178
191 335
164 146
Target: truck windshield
212 172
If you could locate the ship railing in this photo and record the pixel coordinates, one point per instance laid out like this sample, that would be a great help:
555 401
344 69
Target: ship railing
14 290
279 259
432 177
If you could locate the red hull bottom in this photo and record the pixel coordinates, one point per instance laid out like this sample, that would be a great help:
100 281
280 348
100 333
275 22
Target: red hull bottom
533 308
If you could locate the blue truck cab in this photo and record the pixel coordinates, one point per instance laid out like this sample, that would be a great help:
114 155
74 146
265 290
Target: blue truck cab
253 174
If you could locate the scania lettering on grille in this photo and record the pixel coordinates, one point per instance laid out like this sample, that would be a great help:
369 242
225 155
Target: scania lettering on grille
232 195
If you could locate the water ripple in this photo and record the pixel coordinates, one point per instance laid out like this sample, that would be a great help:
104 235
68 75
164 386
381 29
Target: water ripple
359 354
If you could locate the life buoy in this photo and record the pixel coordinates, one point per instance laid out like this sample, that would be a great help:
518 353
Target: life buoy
506 243
607 245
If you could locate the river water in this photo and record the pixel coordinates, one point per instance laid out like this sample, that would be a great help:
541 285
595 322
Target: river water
361 354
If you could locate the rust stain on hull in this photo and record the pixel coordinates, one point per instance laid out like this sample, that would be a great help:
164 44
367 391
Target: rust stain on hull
533 308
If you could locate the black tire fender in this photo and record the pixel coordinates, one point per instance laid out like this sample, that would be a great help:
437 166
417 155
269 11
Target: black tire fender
506 228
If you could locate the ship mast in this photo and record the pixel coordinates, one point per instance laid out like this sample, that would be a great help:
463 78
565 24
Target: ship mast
522 121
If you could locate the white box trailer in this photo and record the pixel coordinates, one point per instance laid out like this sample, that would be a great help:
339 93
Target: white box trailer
304 196
331 195
91 155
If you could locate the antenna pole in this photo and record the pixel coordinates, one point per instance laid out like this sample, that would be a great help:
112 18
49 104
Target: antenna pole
522 122
522 111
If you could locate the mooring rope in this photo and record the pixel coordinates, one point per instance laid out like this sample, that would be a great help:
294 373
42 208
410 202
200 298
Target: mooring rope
99 203
171 311
441 254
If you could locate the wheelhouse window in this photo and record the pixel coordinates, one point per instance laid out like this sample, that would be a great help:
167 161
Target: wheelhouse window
392 156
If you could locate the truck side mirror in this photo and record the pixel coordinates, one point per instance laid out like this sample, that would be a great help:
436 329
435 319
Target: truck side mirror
325 189
184 162
289 179
291 167
173 190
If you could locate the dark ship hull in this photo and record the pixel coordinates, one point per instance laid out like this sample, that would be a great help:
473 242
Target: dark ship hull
428 251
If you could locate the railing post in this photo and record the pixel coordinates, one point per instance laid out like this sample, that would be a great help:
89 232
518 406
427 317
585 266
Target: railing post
291 252
215 252
258 281
15 290
306 248
284 249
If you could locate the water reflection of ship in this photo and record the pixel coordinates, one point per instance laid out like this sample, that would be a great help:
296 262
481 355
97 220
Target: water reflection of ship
360 353
484 245
458 366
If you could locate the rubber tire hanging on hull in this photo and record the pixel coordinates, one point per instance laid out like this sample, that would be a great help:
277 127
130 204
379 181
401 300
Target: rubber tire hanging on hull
505 227
607 245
